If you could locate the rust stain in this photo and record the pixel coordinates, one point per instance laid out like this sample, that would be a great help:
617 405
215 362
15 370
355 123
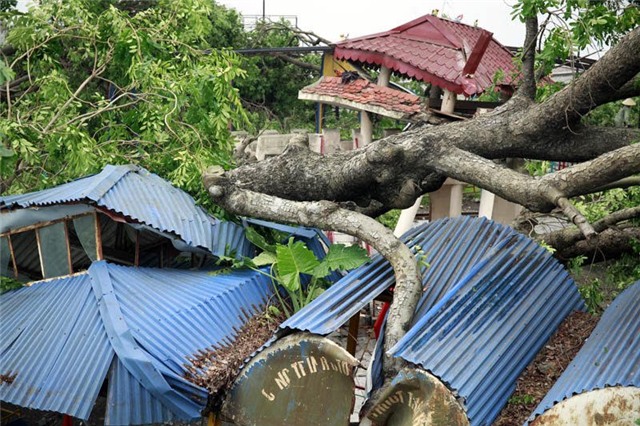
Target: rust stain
8 378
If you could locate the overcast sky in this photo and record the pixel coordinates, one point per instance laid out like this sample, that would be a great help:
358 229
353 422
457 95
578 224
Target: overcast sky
332 19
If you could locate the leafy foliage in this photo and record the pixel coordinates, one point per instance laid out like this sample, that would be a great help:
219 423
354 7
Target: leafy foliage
102 85
573 25
296 269
270 91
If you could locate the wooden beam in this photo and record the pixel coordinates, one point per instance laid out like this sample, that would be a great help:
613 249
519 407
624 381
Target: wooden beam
352 337
68 243
13 257
98 237
42 224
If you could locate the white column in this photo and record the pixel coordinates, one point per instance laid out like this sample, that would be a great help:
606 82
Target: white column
448 102
486 204
406 219
366 128
384 76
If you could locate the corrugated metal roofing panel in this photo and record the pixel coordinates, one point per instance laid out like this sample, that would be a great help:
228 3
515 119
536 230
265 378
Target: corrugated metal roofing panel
488 327
173 314
54 343
90 187
146 198
451 247
610 356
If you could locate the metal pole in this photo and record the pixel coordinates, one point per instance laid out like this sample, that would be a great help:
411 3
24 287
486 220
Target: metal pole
263 10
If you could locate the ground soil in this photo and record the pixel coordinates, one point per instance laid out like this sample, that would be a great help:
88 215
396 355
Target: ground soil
546 368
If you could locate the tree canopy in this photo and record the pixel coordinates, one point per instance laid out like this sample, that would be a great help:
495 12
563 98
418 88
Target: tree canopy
88 83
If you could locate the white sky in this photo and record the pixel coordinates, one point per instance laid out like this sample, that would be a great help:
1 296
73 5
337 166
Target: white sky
333 18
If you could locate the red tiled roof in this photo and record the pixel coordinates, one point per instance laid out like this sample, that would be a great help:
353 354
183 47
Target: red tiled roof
435 50
363 95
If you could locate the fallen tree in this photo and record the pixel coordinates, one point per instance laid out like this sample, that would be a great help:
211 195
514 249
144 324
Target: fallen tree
342 191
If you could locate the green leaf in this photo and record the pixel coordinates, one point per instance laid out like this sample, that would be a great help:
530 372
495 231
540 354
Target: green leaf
294 259
4 152
264 258
258 240
341 257
6 73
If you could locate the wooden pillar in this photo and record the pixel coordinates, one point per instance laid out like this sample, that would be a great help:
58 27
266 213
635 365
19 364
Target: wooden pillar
352 337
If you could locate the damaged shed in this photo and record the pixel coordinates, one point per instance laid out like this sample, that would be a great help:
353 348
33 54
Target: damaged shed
119 295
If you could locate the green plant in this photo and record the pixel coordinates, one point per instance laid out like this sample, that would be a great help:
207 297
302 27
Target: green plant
593 296
525 399
8 284
296 269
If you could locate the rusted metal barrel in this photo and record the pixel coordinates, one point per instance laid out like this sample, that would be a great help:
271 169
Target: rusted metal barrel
301 379
417 398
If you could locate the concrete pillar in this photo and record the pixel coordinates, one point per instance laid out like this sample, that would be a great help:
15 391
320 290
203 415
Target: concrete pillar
446 201
406 219
448 102
366 128
331 140
384 76
316 143
497 208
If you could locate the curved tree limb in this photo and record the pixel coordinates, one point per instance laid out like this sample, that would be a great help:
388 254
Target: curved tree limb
328 215
597 86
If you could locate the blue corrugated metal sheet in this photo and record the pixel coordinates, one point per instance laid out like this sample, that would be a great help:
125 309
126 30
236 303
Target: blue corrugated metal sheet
489 326
54 343
59 338
485 284
451 248
145 197
610 357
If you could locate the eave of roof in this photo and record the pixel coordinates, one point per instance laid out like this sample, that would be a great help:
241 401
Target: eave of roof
362 95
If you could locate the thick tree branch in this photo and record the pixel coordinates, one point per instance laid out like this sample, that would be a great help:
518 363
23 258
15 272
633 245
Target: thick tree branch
597 86
297 62
567 237
528 83
328 215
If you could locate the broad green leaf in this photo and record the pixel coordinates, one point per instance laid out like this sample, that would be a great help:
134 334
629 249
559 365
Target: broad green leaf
258 240
341 257
264 258
4 152
294 259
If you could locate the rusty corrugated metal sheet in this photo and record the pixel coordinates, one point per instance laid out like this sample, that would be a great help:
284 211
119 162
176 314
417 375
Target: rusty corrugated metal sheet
610 357
146 198
488 327
59 338
434 50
